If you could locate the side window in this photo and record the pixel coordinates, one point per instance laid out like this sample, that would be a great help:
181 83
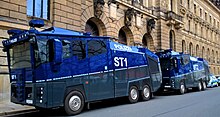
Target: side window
181 61
41 52
79 49
96 47
175 62
66 49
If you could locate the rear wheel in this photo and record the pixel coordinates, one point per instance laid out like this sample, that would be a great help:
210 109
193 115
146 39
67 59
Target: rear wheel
133 94
203 86
74 103
146 93
199 88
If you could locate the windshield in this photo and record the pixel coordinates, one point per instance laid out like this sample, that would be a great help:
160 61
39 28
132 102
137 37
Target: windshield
41 52
20 56
166 64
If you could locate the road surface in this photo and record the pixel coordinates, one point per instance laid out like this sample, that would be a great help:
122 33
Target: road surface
192 104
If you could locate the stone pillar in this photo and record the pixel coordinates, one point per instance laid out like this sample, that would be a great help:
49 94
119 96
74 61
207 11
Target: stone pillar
4 78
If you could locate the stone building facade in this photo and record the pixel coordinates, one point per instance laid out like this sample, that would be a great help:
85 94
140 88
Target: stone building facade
190 26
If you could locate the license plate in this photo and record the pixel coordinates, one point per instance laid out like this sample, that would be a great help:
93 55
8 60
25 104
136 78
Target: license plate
167 86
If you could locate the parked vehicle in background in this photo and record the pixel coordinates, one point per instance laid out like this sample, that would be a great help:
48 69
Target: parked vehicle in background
213 82
218 78
207 71
181 71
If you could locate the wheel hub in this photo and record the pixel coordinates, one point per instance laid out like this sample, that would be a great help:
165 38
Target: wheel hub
182 87
146 92
134 94
75 103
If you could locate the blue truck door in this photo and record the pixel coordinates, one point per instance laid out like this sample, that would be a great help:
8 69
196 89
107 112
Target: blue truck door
100 77
120 63
154 73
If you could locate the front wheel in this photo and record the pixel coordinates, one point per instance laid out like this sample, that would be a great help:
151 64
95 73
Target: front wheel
133 94
74 103
182 88
146 93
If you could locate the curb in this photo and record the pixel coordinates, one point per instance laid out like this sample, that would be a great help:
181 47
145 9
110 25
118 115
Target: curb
14 112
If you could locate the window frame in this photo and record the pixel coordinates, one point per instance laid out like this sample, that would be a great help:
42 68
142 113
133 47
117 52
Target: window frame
33 10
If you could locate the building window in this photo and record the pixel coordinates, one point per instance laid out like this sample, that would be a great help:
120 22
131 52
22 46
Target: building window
38 8
200 12
172 40
208 55
207 32
210 19
191 49
195 8
183 46
218 25
214 22
189 25
203 52
188 3
196 32
205 16
122 37
92 28
201 31
197 50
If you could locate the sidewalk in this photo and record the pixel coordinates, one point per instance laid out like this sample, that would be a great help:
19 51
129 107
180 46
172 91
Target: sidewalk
7 108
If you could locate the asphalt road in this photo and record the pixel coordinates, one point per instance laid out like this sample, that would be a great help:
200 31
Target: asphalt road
192 104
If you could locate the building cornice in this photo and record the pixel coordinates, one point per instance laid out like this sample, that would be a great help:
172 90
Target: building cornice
215 7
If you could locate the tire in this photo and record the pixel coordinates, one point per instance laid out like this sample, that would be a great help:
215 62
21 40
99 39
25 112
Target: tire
204 86
74 103
182 89
133 94
199 88
146 93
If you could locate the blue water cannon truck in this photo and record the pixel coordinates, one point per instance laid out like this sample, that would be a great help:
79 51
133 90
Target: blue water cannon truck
56 68
181 71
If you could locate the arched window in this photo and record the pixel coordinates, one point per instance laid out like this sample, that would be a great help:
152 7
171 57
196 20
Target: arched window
213 57
214 70
197 50
191 49
183 46
208 55
147 42
203 52
172 40
122 37
92 28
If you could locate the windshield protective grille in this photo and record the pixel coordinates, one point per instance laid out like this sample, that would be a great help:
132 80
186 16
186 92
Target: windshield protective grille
20 56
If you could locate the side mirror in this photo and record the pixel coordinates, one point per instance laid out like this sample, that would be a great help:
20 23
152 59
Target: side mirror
55 54
58 52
